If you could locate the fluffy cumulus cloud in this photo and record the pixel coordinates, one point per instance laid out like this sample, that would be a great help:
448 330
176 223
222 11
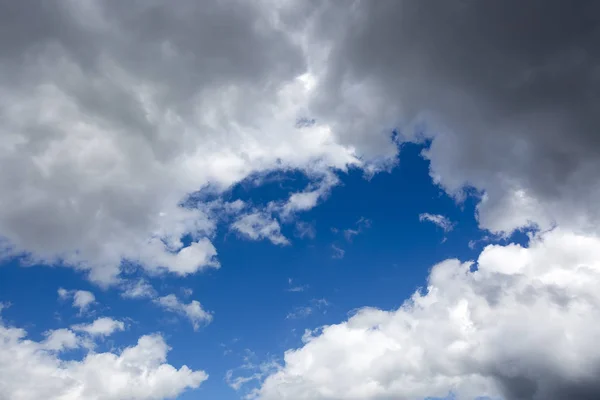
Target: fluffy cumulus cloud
138 372
60 339
82 299
104 326
193 310
113 113
517 327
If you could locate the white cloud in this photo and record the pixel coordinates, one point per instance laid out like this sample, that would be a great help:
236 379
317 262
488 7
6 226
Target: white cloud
60 339
198 255
100 327
258 226
139 372
138 289
299 312
82 299
306 200
439 220
518 327
192 311
301 201
106 144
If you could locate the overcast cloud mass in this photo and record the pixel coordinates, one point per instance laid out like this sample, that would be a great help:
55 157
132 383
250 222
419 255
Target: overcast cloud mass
113 113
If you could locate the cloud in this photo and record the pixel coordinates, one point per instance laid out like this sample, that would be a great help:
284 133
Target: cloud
138 372
138 289
110 123
192 311
296 288
258 226
362 224
305 230
307 199
359 227
250 371
107 144
507 115
100 327
306 311
338 253
508 109
320 303
82 299
59 340
299 312
439 220
453 336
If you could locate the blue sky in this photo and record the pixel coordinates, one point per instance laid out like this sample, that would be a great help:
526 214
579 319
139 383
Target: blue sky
262 293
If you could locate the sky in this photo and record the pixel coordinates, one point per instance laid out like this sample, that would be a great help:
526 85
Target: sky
299 200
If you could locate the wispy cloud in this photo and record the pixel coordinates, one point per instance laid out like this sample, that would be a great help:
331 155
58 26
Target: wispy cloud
299 312
250 371
295 288
360 226
138 290
439 220
258 226
338 252
305 230
305 311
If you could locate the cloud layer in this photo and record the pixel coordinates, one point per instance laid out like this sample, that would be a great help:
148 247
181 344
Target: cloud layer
113 113
112 120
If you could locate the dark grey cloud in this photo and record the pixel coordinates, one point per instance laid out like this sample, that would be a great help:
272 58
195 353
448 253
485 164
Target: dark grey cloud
509 90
